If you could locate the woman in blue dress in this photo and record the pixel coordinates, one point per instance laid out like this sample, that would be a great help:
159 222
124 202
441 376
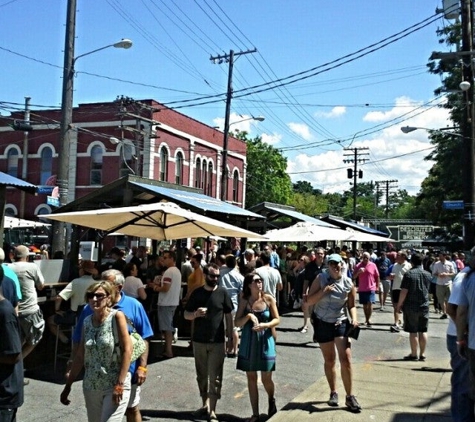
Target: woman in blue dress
258 316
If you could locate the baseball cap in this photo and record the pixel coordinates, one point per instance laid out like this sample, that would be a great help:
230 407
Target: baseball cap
334 257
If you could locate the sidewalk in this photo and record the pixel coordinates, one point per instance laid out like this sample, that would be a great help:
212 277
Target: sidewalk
388 391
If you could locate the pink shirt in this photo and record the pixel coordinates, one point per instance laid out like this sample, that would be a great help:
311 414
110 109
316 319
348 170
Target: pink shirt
367 280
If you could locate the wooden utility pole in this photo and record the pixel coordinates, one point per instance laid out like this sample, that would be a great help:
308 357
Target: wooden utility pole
352 155
468 126
229 58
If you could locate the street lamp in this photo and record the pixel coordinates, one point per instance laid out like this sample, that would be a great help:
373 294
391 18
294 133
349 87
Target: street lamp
65 138
469 181
224 167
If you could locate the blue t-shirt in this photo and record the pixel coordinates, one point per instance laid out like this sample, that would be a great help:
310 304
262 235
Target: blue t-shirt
133 309
8 272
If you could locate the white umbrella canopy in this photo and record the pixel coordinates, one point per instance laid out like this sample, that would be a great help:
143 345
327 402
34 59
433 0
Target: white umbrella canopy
160 221
305 232
13 222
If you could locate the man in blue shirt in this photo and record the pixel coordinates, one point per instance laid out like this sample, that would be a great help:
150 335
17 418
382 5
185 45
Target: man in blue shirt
133 310
383 263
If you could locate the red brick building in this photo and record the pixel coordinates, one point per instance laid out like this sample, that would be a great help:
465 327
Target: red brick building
148 140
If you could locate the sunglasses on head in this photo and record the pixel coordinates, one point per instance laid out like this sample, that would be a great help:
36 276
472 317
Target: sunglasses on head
98 296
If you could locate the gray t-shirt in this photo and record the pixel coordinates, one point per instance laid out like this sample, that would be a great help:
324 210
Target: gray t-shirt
270 279
331 307
30 276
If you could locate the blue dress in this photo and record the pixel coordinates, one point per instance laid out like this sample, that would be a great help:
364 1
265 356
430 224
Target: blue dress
257 349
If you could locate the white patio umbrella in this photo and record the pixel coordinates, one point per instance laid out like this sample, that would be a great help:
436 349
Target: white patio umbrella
20 223
160 221
305 232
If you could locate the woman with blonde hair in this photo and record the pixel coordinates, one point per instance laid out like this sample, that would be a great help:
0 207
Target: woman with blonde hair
105 358
258 316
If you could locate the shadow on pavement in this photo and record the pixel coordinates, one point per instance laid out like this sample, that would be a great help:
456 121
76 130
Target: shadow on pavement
184 416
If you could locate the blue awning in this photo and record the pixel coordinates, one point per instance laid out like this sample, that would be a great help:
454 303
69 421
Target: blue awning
299 216
197 200
353 225
7 180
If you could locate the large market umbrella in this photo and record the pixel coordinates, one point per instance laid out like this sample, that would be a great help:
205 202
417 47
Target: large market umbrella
160 221
306 232
20 223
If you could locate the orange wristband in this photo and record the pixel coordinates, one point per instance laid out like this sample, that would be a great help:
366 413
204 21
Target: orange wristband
118 389
142 369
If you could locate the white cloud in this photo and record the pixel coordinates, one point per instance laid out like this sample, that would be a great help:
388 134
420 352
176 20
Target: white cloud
301 129
393 155
335 112
273 139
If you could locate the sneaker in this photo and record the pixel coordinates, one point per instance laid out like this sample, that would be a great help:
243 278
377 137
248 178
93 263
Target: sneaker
333 400
444 316
175 335
395 328
381 309
352 404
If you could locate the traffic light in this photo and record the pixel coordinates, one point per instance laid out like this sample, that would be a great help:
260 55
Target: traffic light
360 174
349 173
22 125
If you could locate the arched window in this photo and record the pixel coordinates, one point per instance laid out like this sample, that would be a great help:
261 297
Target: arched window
46 164
204 173
10 211
198 173
235 186
209 188
163 164
96 165
127 159
179 169
13 162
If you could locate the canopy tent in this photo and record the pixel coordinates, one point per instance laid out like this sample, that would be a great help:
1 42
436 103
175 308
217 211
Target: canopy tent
305 232
5 181
357 236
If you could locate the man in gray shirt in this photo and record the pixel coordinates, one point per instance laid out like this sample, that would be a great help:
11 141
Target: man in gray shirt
31 319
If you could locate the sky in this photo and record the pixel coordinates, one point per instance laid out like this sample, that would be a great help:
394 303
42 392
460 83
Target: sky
323 77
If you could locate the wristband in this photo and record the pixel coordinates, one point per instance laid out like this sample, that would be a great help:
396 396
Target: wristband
118 389
141 368
462 342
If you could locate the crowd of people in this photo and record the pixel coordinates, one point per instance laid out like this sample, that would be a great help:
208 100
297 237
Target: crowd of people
233 302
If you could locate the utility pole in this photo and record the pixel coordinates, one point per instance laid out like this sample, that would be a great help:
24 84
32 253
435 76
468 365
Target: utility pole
59 240
352 155
468 126
386 187
24 164
230 59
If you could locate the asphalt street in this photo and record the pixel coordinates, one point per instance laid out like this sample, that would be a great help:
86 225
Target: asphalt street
171 394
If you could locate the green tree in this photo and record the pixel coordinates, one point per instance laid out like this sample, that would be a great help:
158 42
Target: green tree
302 186
266 174
444 181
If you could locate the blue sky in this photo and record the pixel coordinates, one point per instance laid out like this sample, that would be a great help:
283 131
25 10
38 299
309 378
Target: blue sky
310 120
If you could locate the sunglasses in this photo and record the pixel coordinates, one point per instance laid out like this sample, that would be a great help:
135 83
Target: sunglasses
98 296
213 275
257 280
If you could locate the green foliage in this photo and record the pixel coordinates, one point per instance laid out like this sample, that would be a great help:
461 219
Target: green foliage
444 181
266 175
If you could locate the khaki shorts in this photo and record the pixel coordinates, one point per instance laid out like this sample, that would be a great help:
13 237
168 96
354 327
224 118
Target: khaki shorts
32 328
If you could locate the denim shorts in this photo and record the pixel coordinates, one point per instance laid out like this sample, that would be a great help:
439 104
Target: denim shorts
328 331
367 297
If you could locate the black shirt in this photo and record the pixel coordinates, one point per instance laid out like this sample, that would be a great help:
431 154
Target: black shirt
312 269
210 329
11 376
